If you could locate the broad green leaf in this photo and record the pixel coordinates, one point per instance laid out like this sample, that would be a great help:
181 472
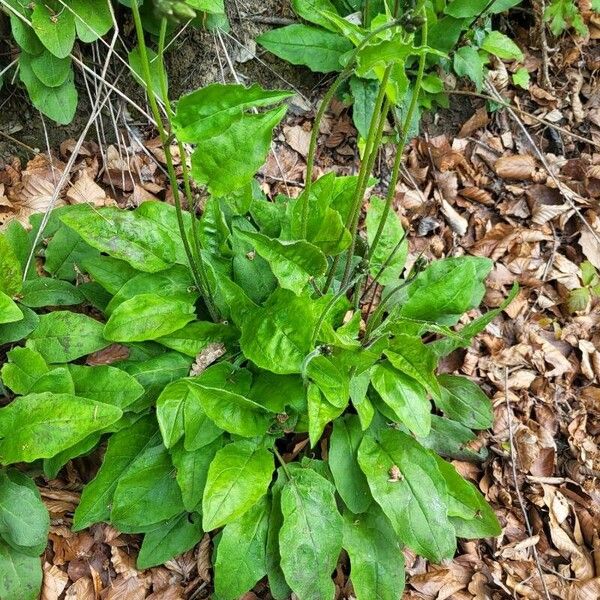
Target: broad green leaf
52 466
243 147
24 520
310 10
392 249
11 274
211 109
65 252
376 559
359 384
194 337
313 47
320 413
233 412
45 291
41 425
63 336
406 482
463 401
106 384
50 70
381 53
411 356
476 8
241 553
156 70
209 6
521 78
17 330
470 514
55 26
27 372
124 447
349 480
148 317
277 337
123 234
502 46
20 574
405 396
276 392
169 539
278 586
311 534
326 375
25 36
451 439
468 63
92 19
238 477
58 103
9 311
192 471
294 263
111 273
148 478
364 93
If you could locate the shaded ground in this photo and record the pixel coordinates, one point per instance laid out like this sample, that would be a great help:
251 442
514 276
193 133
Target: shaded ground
528 199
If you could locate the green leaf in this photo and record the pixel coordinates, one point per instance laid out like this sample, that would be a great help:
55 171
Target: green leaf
63 336
241 553
169 539
27 372
451 439
477 8
320 413
209 6
92 19
310 10
106 384
381 53
147 317
52 466
65 252
50 70
20 574
123 234
311 534
294 263
41 425
411 356
405 396
313 47
192 471
238 478
55 26
124 447
24 520
376 559
45 291
232 412
9 311
349 479
470 514
406 483
58 103
359 384
194 337
24 35
277 337
112 274
156 70
463 401
150 476
521 78
364 92
11 274
326 375
17 330
392 248
468 63
502 46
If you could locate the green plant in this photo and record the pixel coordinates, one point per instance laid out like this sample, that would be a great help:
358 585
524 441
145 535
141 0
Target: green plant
336 28
249 330
46 31
563 15
579 298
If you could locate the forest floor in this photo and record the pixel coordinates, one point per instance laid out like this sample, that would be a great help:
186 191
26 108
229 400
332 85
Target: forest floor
520 186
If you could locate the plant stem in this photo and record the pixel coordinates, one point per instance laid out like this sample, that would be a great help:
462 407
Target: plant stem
199 262
391 194
282 462
312 149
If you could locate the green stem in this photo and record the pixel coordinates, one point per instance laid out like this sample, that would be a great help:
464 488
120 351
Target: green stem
195 249
391 193
312 149
282 462
371 323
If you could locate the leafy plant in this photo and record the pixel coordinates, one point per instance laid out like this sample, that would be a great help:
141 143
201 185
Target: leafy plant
563 15
46 31
580 298
250 329
333 29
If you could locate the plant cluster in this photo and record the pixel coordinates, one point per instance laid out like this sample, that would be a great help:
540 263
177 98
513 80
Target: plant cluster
264 397
563 15
46 31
